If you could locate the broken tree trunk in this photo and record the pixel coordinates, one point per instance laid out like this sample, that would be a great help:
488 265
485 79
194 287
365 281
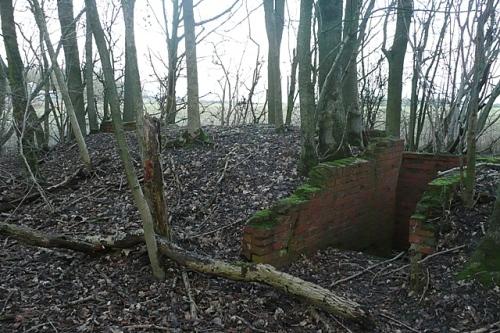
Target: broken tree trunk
246 272
153 177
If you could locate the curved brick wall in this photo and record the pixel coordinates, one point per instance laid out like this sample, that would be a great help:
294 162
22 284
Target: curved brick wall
354 203
348 203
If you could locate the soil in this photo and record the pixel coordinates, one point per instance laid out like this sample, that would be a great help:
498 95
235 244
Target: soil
211 190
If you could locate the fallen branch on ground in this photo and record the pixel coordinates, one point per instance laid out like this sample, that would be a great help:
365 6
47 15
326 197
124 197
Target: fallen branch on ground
247 272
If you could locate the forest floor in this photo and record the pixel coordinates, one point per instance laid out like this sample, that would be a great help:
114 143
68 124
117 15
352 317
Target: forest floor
211 190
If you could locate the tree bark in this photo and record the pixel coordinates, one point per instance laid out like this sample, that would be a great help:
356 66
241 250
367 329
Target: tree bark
395 57
172 46
246 272
153 177
71 55
329 35
132 103
350 94
308 157
89 80
274 11
193 100
472 107
22 112
40 20
292 89
123 151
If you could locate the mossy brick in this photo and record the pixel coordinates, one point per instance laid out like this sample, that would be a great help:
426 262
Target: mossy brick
288 204
424 232
259 232
419 239
260 251
307 191
261 216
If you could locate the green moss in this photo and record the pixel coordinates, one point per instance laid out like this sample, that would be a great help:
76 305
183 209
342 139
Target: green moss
306 191
263 219
419 216
286 204
446 181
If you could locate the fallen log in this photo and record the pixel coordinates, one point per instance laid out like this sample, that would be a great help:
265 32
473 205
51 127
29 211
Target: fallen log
239 271
89 244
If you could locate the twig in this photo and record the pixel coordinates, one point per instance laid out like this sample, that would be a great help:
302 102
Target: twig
400 323
487 328
367 269
98 192
426 258
320 318
426 286
193 309
147 327
479 165
246 322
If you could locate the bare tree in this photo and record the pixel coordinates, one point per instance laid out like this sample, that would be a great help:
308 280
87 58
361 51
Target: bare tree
23 113
274 11
395 58
71 54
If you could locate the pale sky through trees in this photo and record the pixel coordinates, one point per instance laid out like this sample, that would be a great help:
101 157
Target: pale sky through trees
231 39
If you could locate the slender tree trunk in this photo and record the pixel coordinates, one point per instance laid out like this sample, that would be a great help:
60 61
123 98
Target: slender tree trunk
274 11
473 106
21 109
350 95
193 100
395 57
308 157
89 80
71 55
40 20
172 45
124 153
132 104
292 89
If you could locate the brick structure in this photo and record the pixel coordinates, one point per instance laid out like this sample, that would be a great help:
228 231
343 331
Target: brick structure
424 222
348 203
107 126
417 171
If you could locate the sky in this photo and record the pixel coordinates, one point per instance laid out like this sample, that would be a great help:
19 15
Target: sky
231 41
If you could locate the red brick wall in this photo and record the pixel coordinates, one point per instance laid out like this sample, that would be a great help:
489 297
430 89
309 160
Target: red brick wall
417 170
354 209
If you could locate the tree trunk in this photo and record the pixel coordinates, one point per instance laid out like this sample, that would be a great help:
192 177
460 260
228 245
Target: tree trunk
329 36
172 45
89 80
132 103
292 89
193 100
40 20
246 272
153 177
274 11
21 109
308 157
123 151
395 57
71 55
350 95
472 107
